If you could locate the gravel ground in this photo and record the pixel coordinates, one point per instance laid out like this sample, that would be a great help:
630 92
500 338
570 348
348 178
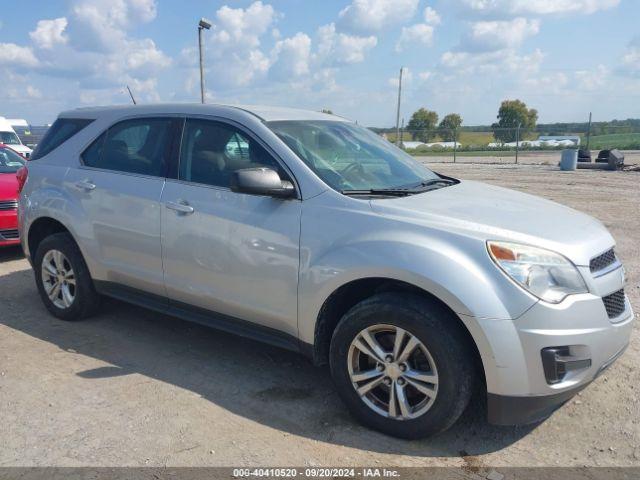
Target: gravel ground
131 387
631 157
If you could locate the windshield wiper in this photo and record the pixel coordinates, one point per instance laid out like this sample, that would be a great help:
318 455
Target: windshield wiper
421 187
391 192
436 181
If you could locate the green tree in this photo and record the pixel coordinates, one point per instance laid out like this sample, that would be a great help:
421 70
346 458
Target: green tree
327 110
448 126
511 114
422 124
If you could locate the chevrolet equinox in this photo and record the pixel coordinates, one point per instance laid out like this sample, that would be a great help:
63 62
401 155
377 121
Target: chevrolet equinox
312 233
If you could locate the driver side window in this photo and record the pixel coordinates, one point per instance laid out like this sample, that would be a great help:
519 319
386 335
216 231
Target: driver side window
211 151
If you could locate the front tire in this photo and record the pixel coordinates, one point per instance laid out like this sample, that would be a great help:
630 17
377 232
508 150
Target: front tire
63 279
402 365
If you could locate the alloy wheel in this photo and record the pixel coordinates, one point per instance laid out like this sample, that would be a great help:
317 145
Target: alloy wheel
393 372
58 279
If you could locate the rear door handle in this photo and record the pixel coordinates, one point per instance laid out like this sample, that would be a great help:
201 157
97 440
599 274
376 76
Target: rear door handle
181 207
86 185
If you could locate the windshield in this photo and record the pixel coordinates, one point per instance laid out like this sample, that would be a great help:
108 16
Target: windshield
349 157
10 161
9 138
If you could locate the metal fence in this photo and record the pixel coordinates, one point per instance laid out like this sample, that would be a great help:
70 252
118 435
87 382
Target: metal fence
511 145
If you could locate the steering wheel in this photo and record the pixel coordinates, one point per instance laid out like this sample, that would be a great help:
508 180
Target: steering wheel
353 167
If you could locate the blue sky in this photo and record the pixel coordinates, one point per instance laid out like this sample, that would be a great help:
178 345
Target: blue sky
563 57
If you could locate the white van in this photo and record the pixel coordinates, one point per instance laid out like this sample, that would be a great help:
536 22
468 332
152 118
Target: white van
9 137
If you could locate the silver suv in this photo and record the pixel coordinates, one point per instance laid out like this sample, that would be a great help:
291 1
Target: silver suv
312 233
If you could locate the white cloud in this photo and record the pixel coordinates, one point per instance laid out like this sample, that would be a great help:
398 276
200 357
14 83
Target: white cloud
592 80
535 7
239 27
420 34
49 33
292 55
375 15
32 92
498 35
552 83
424 76
16 55
144 56
431 16
21 94
631 59
100 25
234 50
92 50
507 61
340 48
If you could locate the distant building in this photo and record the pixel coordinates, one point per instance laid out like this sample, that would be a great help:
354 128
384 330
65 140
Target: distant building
560 138
414 145
542 141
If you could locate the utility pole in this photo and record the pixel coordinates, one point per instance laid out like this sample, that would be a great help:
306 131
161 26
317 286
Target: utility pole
518 141
202 25
589 135
398 112
402 133
455 144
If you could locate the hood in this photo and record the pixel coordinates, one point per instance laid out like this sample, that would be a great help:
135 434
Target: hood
8 186
494 213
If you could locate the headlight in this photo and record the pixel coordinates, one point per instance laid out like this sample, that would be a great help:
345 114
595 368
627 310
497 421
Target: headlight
543 273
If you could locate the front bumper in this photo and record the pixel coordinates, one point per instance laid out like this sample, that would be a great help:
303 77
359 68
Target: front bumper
9 228
519 390
506 410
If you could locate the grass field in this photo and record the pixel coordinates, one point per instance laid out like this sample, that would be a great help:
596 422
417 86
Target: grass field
623 141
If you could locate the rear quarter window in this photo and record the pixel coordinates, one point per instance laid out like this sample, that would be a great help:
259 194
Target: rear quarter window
61 131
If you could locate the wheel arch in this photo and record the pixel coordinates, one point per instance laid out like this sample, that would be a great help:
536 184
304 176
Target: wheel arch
41 228
349 294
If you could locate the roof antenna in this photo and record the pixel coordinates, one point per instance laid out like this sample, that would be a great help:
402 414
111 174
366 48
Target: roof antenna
131 95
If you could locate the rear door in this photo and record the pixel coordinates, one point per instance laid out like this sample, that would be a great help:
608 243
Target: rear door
119 185
228 252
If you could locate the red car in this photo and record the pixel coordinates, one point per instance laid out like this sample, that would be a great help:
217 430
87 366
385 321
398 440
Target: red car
10 163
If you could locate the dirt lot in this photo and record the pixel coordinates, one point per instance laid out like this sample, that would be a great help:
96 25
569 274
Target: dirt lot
131 387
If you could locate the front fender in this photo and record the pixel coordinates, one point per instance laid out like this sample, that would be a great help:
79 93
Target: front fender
343 241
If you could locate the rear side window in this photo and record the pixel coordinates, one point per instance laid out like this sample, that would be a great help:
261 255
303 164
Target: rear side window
141 146
61 131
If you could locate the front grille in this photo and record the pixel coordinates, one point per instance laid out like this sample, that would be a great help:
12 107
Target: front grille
9 235
614 304
8 204
602 261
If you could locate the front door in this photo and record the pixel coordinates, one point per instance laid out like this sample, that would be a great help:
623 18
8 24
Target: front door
227 252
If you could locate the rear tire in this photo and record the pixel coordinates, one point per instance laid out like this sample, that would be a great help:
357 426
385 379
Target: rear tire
399 405
63 279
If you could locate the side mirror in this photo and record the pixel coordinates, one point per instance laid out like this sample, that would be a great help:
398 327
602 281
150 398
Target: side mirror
261 181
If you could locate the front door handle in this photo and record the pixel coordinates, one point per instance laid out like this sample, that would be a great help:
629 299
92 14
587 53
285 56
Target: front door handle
181 207
85 185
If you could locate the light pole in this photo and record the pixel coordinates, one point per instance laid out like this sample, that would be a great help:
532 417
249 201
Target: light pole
204 24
